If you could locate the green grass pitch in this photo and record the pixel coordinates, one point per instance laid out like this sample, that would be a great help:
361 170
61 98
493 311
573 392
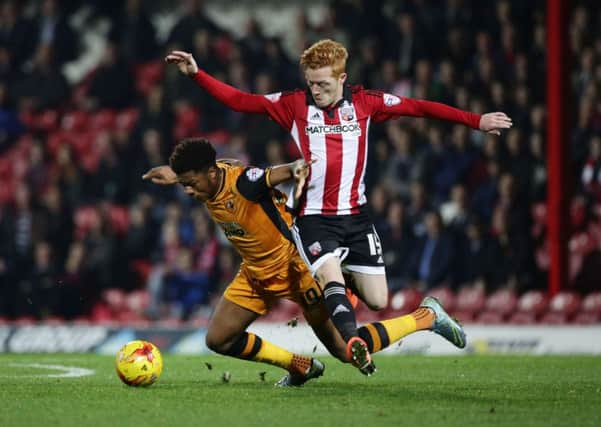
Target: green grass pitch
406 390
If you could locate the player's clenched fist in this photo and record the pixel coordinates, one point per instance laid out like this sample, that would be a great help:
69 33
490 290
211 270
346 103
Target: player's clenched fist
300 172
184 61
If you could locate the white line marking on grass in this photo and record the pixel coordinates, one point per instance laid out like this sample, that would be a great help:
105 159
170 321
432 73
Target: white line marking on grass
68 371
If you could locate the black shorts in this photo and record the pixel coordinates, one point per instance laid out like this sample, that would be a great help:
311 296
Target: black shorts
352 238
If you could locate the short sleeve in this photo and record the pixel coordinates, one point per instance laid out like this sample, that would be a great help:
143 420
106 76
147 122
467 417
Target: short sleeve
253 183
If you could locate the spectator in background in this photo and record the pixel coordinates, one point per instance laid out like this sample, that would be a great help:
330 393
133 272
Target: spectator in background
591 173
446 82
538 171
432 261
402 165
7 264
17 33
155 113
457 49
398 243
227 267
134 33
37 170
256 128
55 31
137 247
204 244
112 83
409 50
519 162
485 193
26 228
10 125
43 86
68 176
378 204
378 155
77 286
108 181
474 256
462 157
417 208
432 161
165 258
185 288
236 148
511 255
511 202
522 102
455 213
100 251
274 154
151 154
192 20
56 218
41 282
277 64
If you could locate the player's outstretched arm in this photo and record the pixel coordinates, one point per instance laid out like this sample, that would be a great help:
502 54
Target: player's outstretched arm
388 106
228 95
162 175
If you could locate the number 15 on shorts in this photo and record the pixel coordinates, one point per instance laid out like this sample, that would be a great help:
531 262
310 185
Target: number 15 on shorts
375 247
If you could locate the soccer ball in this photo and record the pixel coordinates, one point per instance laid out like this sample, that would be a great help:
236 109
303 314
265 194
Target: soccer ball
139 363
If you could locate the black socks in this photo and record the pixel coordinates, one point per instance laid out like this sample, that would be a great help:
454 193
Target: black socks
340 310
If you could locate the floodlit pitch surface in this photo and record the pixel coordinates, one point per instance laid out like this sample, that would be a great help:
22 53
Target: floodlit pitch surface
76 390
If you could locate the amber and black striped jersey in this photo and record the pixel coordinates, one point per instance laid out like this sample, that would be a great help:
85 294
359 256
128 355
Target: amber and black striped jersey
253 217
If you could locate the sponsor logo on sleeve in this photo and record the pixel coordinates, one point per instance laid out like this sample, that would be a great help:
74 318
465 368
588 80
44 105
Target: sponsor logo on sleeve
273 97
390 100
254 174
232 229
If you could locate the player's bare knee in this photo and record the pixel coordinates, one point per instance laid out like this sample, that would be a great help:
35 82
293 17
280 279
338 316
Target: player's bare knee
217 344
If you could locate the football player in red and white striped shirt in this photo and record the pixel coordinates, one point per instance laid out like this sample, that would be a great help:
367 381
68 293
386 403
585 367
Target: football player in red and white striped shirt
329 121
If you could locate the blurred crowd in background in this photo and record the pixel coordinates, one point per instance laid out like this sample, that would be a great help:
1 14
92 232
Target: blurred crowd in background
454 207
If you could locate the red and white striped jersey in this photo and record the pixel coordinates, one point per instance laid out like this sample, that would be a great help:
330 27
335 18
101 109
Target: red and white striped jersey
335 138
336 141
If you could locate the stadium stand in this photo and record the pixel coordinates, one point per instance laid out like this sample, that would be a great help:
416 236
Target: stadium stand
82 238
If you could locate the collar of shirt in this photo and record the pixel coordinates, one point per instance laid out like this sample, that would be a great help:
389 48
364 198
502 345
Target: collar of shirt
347 95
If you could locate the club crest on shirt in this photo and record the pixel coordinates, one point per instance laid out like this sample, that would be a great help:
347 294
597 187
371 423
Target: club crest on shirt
229 205
347 113
390 100
315 248
254 174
